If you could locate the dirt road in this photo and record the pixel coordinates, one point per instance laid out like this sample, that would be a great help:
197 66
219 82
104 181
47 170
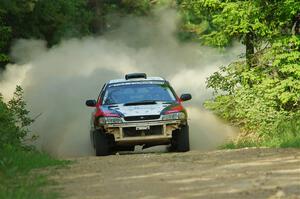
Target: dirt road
246 173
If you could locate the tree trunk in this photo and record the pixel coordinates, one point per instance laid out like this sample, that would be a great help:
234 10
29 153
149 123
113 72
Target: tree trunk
296 26
249 42
98 23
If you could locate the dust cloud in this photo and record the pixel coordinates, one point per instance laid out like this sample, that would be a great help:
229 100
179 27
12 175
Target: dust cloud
57 81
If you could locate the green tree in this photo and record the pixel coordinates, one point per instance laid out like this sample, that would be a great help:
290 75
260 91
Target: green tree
5 32
14 120
59 19
262 92
54 20
5 36
253 22
47 19
13 15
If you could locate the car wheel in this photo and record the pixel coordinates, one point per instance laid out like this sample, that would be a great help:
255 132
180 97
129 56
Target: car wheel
180 140
102 144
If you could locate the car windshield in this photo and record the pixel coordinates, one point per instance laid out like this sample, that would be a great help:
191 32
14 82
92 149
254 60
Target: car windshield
125 93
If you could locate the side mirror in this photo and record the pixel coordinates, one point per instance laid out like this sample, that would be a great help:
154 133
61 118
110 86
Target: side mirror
90 103
186 97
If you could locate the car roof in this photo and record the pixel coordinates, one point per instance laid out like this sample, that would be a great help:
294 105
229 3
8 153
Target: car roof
136 79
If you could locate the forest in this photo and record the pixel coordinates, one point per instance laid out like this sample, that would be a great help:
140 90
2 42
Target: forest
259 92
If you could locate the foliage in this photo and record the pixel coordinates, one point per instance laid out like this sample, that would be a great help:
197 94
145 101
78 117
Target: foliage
5 32
255 23
17 107
285 134
55 20
14 120
141 7
261 93
60 19
49 20
228 20
16 178
16 160
9 132
264 100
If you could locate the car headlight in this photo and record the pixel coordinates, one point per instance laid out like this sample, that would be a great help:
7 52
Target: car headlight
174 116
110 120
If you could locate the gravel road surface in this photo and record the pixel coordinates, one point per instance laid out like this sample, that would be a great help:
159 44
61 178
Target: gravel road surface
244 173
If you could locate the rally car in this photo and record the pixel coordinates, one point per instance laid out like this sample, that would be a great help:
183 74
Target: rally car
138 110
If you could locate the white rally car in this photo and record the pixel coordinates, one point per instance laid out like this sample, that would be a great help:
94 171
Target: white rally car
138 111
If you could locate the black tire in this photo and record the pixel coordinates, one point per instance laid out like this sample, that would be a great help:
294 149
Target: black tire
102 144
180 140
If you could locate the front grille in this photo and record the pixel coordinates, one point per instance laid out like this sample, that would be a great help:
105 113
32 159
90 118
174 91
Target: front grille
132 132
141 117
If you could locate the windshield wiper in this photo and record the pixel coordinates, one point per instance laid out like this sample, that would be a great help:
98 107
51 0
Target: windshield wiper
144 102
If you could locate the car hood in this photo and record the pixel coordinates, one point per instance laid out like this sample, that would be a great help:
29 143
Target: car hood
139 110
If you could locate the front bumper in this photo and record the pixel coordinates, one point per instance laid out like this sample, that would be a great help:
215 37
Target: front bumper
142 132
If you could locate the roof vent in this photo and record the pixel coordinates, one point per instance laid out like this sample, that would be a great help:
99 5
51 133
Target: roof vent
135 76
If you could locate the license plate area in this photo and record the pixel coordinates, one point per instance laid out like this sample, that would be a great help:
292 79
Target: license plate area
142 131
142 128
